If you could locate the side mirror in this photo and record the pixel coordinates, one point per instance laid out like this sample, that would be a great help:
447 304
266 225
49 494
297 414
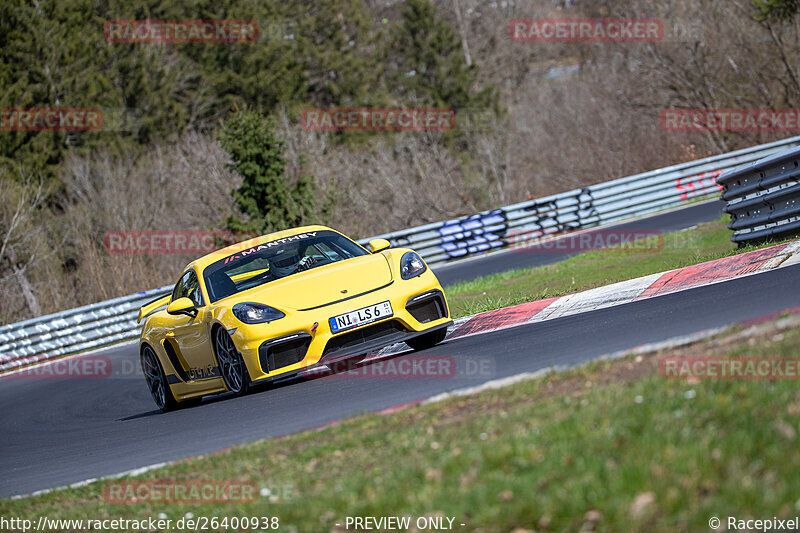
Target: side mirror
378 245
182 306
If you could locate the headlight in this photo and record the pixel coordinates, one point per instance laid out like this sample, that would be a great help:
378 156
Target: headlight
253 313
411 265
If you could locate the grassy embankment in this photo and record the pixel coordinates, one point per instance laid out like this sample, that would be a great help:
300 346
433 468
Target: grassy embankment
612 446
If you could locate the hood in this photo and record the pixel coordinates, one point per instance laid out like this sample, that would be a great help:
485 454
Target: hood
323 285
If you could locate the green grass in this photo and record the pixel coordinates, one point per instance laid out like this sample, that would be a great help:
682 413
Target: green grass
591 269
572 450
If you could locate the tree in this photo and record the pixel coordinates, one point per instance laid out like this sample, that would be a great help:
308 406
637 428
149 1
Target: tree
265 196
317 52
427 65
21 242
427 62
54 55
776 9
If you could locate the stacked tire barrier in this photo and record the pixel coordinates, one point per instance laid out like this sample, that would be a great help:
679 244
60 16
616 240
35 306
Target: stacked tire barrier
763 198
112 321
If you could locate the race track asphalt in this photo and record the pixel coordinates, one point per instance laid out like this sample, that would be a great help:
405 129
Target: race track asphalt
56 432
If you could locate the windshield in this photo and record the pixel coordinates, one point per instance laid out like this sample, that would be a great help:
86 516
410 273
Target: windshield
277 259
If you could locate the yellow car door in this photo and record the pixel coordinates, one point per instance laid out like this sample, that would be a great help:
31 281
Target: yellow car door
189 336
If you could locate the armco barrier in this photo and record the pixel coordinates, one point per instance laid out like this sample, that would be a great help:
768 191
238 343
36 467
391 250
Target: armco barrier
114 320
593 206
763 198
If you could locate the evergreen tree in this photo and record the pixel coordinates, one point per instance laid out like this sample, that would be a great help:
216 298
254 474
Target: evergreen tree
265 196
317 53
776 9
56 56
428 66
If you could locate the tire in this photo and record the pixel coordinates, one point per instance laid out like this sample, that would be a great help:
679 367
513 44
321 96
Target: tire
230 362
157 381
428 340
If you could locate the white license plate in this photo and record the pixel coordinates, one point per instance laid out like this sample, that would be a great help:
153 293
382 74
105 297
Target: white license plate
359 317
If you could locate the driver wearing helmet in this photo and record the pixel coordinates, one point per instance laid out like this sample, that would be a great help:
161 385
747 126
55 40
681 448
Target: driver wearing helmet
286 262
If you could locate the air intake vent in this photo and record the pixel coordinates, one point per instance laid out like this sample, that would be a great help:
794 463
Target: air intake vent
427 307
278 353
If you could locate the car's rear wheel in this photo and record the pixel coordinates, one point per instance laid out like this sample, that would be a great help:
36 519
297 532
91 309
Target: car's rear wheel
157 381
231 365
427 340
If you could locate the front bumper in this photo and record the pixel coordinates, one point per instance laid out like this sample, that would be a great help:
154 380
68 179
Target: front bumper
330 361
290 345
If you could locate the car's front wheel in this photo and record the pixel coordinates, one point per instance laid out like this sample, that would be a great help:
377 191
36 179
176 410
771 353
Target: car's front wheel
427 340
231 365
157 381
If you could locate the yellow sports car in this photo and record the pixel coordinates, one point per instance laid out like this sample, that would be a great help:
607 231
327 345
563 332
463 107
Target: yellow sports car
272 307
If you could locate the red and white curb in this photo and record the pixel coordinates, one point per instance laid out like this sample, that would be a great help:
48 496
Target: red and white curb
680 279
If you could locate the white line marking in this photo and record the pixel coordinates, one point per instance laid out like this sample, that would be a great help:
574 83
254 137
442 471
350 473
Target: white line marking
133 473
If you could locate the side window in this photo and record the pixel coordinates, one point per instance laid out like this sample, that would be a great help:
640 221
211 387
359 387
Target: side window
180 288
326 250
193 289
188 286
